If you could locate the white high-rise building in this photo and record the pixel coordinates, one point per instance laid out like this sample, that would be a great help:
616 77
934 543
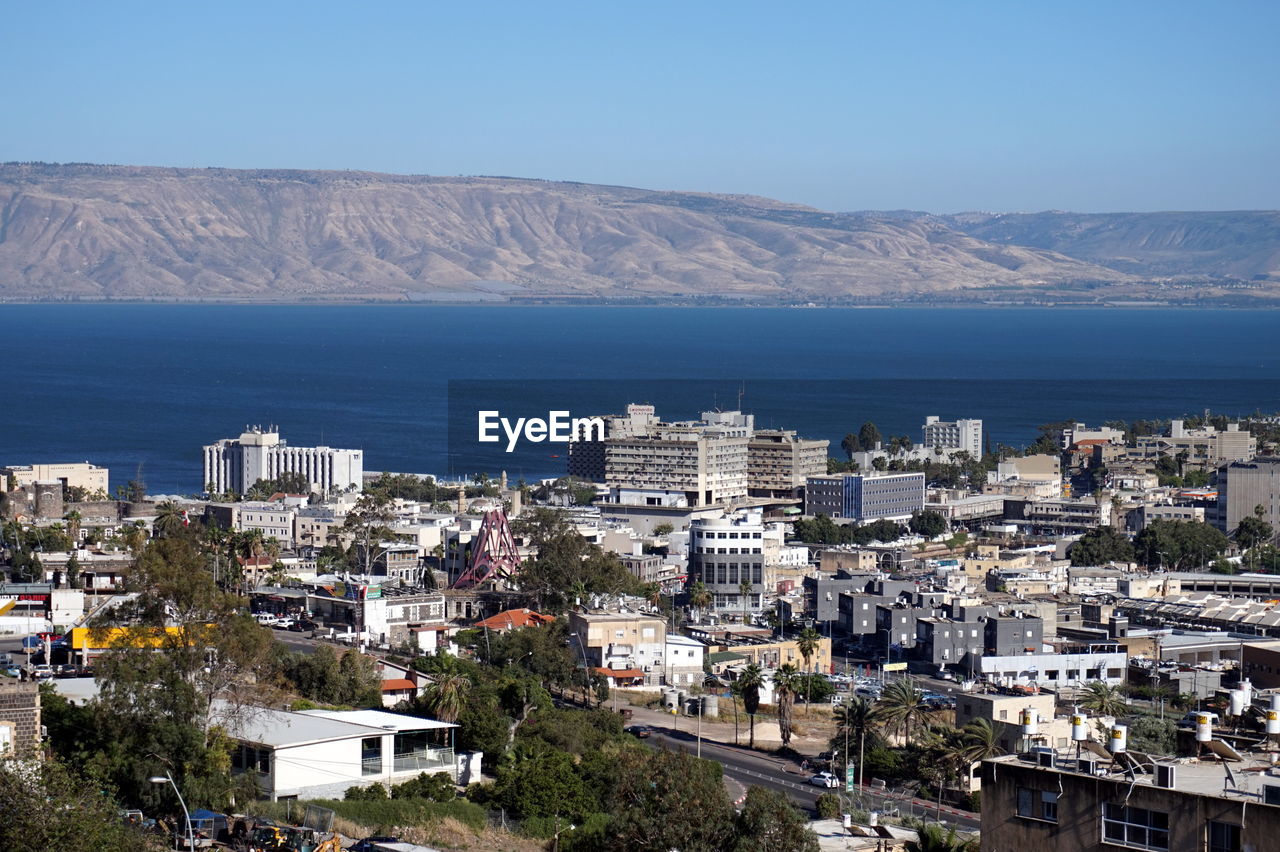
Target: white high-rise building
235 464
953 435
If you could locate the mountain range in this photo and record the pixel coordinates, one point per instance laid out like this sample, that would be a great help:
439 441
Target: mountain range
91 232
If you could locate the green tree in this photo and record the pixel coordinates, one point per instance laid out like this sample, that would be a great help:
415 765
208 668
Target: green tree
1103 699
669 800
933 837
446 696
807 643
901 706
1100 546
850 444
869 436
928 523
170 520
50 806
748 685
186 645
980 740
699 597
769 822
785 685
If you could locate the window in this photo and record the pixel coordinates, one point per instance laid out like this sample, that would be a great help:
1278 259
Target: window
1137 828
1224 837
1037 804
371 755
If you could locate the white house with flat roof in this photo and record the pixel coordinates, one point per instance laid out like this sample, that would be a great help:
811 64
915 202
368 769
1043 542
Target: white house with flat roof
315 754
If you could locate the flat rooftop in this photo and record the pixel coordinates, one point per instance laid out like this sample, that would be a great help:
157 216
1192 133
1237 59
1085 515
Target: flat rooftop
1195 776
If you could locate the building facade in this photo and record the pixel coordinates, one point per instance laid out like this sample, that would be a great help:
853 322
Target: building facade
235 464
863 497
725 553
1242 487
953 435
778 463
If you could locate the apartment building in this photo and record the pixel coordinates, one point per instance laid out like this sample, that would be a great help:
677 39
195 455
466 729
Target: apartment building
726 552
621 642
779 462
707 463
963 435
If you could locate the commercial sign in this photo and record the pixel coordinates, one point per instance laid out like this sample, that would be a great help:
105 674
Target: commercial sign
895 667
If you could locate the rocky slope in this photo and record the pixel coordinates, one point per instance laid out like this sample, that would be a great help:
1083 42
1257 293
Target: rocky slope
108 232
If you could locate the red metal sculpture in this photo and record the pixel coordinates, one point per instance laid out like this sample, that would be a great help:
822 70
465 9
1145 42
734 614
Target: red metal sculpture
493 553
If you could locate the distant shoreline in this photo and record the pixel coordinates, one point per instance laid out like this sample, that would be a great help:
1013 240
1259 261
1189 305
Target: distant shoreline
1119 305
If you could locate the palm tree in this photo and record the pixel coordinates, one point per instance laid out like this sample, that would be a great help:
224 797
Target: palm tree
980 740
445 698
932 838
699 597
749 683
900 706
1103 699
73 526
169 521
786 680
744 591
808 643
854 720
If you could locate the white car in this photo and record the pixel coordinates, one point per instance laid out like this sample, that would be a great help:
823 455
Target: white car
825 779
266 619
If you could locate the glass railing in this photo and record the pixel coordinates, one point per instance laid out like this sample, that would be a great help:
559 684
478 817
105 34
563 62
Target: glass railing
437 759
371 766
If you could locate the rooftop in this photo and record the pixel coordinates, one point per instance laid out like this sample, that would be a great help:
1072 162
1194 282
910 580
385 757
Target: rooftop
1240 776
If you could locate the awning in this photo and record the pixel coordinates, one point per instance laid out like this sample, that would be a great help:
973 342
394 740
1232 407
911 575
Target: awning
620 673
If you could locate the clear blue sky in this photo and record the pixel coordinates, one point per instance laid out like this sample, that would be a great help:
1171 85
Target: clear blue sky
940 106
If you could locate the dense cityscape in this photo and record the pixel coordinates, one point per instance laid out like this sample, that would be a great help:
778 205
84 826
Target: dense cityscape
705 635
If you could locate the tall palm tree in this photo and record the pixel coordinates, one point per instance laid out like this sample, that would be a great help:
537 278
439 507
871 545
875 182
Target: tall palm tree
1103 699
854 720
169 519
699 597
744 592
749 683
73 526
808 642
900 707
786 681
446 696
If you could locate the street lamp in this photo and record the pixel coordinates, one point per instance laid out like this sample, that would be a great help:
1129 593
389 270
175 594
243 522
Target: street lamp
167 778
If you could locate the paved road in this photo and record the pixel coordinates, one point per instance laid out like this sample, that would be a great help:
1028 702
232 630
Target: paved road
751 769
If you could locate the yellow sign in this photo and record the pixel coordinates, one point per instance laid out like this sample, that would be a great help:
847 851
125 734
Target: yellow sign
85 638
895 667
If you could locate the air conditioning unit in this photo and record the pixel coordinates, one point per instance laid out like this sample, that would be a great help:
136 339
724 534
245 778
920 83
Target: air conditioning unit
1044 757
1087 765
1166 775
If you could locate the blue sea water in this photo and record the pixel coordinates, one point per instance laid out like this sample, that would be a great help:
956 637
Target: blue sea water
147 385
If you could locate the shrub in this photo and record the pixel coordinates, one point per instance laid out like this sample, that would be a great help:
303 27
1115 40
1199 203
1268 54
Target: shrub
828 806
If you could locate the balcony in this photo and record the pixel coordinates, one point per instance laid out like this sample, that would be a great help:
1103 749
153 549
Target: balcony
428 760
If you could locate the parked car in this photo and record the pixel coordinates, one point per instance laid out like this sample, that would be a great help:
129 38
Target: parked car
1189 720
42 672
266 619
639 731
825 779
13 671
366 845
283 623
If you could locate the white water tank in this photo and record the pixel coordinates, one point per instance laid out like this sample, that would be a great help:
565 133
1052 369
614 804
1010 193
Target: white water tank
1079 727
1119 739
1204 727
1247 688
1237 702
1273 716
1029 720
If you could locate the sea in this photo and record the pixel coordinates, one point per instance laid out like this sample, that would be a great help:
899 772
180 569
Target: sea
140 388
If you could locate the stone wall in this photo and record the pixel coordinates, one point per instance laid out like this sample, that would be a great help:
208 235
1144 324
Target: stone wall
20 705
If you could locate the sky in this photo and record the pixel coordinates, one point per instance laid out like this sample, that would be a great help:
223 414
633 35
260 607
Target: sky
938 106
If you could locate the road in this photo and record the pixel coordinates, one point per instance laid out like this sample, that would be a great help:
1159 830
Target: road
747 768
